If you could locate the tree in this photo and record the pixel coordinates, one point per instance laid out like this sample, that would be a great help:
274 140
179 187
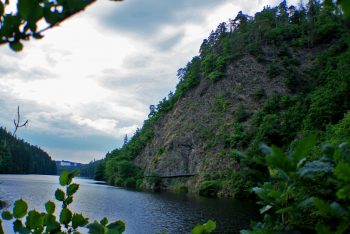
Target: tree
21 25
125 139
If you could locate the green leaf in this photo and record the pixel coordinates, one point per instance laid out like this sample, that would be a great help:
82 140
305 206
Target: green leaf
199 229
16 46
206 228
34 220
304 147
79 220
210 226
20 209
68 201
345 4
51 223
73 188
59 195
96 228
50 207
116 227
75 5
65 216
1 229
324 209
104 221
65 178
6 215
344 192
342 171
18 226
24 8
51 17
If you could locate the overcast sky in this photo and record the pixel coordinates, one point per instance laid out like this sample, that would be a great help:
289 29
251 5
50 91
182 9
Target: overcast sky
90 81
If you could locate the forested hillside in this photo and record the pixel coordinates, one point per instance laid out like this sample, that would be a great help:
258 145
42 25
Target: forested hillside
270 78
19 157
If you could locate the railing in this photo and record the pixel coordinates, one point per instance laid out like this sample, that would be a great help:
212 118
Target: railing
170 176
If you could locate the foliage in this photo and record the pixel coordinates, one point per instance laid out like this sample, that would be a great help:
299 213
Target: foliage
209 188
316 95
67 222
299 194
23 23
17 156
206 228
220 104
241 114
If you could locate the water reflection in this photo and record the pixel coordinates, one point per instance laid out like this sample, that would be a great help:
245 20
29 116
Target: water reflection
143 212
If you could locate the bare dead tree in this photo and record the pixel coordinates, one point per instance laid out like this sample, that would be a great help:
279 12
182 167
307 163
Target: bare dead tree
17 123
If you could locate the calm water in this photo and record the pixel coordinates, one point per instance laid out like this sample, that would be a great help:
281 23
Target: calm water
144 213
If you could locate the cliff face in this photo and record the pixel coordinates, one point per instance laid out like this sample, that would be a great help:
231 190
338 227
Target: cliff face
190 138
271 78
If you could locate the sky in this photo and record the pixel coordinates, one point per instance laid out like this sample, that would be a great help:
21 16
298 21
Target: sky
90 81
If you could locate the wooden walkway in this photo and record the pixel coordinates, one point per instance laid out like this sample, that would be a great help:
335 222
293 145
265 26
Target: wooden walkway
170 176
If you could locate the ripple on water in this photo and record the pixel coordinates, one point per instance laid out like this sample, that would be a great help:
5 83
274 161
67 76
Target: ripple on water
143 212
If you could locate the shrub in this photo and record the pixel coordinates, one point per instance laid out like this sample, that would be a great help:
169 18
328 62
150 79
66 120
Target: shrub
273 71
241 114
220 104
209 188
303 194
259 94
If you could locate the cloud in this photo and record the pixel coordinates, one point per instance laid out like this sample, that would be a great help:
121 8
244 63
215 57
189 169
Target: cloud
169 42
147 18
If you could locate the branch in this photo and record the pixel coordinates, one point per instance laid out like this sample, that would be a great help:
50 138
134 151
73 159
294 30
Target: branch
17 123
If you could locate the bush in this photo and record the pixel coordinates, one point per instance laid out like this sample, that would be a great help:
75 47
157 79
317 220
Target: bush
303 194
220 104
209 188
241 114
273 71
259 94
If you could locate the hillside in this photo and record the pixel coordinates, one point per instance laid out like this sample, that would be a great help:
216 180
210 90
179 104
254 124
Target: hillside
272 78
19 157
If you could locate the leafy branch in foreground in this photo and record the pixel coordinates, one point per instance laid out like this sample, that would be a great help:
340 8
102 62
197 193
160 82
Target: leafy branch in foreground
68 222
22 23
305 193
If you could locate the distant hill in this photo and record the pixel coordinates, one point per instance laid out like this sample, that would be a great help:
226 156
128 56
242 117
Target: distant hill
67 166
20 157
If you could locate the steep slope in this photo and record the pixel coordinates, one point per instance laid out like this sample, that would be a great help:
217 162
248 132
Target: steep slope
270 78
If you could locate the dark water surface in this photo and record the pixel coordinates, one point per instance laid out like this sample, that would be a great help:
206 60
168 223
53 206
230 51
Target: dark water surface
144 213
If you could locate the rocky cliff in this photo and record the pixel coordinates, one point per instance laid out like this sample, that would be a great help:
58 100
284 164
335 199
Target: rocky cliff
271 78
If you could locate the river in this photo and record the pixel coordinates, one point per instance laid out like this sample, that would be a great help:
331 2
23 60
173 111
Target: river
143 212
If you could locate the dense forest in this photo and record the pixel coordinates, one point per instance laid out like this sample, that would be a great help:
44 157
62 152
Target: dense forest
19 157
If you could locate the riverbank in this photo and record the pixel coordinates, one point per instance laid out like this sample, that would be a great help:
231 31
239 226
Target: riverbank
154 212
